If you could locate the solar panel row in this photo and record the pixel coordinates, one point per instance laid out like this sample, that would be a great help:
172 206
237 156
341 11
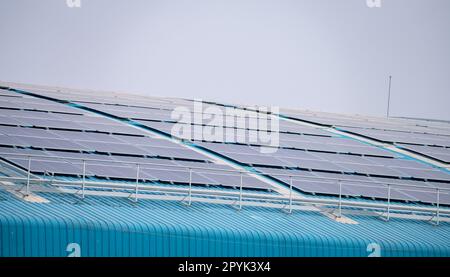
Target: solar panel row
62 136
316 154
417 135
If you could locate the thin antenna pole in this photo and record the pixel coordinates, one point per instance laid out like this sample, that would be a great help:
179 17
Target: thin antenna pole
389 96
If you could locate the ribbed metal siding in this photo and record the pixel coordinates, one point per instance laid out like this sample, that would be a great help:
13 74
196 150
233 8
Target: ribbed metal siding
115 227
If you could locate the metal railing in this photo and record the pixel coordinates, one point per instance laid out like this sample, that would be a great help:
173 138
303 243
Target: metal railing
141 188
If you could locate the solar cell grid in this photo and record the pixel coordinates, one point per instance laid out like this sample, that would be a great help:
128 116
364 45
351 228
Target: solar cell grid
402 163
342 158
424 174
110 147
111 170
86 136
6 93
442 157
138 140
435 152
162 126
11 140
296 153
83 118
377 191
36 104
21 152
49 143
203 167
173 152
26 114
42 165
110 128
50 123
372 170
29 132
124 105
77 156
10 121
144 160
313 164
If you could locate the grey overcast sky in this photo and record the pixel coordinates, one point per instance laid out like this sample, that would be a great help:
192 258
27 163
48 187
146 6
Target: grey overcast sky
323 55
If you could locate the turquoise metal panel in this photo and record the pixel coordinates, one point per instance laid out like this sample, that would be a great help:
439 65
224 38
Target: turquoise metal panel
117 227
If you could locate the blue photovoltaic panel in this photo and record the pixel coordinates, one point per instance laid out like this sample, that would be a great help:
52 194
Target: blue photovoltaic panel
316 151
440 153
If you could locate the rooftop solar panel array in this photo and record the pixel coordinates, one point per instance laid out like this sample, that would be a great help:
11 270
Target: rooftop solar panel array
431 138
315 157
67 136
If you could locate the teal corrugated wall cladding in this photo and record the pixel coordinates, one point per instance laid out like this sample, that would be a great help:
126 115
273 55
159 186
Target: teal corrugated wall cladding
117 227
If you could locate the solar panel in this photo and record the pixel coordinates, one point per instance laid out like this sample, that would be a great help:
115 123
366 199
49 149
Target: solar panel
46 143
341 158
377 191
440 153
405 137
27 114
109 147
110 128
31 132
11 140
8 121
22 103
86 136
50 123
7 93
425 174
116 103
82 119
111 170
311 143
175 152
314 164
233 180
21 151
426 195
162 126
78 156
442 157
318 187
351 185
40 165
295 128
204 167
373 169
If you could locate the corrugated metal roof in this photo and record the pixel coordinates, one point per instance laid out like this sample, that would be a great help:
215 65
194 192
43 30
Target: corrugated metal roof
105 226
